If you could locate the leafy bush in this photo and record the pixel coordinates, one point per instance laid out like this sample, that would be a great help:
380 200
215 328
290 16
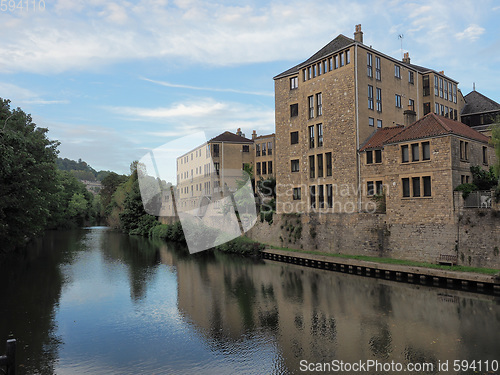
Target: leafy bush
466 189
241 245
484 180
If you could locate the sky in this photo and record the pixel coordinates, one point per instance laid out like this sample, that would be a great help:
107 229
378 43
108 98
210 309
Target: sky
113 80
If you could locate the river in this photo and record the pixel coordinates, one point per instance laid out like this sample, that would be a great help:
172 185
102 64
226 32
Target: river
94 301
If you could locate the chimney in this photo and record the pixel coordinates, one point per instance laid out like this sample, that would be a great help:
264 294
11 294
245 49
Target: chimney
410 116
358 34
406 58
254 135
238 132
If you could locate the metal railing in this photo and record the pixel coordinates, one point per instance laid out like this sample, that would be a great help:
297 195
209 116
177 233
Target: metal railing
478 199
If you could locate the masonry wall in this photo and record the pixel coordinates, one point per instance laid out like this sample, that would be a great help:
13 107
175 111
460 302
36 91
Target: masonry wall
475 235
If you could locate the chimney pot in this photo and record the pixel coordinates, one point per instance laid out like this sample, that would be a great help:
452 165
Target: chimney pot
254 134
358 34
406 58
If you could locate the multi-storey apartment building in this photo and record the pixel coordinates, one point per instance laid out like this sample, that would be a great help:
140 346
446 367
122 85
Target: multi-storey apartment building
480 112
211 168
326 108
264 156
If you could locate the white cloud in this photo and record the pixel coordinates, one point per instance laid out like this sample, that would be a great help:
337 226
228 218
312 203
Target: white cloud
471 33
21 95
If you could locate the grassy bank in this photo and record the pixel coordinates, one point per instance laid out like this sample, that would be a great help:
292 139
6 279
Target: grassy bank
410 263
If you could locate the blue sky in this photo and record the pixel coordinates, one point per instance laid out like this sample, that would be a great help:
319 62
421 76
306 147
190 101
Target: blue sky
112 80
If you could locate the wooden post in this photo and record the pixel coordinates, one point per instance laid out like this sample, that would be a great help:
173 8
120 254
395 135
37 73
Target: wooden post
11 357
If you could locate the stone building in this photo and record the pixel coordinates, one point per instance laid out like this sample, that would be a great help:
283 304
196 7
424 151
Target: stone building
264 155
328 106
480 112
211 168
419 166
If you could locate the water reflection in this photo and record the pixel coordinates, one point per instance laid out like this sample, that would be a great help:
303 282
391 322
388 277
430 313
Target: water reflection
100 302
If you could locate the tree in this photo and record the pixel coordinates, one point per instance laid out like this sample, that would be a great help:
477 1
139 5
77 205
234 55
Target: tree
28 182
495 139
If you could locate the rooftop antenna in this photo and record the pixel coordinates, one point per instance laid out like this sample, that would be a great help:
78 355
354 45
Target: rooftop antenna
400 37
473 86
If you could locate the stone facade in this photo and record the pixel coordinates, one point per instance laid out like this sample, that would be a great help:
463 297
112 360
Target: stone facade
264 156
329 105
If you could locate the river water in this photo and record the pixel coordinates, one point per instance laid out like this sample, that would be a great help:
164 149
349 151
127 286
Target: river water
93 301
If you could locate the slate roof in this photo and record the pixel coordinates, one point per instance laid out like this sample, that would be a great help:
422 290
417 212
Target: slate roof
230 137
381 136
478 103
335 45
432 125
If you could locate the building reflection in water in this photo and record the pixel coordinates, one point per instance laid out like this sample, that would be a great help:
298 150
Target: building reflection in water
320 315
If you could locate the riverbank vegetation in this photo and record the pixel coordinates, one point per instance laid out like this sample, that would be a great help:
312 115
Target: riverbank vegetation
34 194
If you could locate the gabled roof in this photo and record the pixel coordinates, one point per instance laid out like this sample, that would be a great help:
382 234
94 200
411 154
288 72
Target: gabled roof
432 125
230 137
381 136
335 45
478 103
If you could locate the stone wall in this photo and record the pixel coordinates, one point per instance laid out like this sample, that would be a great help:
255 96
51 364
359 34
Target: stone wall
475 236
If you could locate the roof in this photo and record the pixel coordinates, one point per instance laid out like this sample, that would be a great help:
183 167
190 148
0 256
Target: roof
335 45
432 125
381 136
230 137
478 103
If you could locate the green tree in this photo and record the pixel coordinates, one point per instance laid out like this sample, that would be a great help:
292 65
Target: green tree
28 183
495 139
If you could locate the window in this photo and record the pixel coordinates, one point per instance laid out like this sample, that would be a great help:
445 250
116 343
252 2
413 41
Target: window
270 167
329 195
257 149
379 99
311 136
397 71
310 100
379 123
320 134
436 108
328 157
336 58
348 56
371 121
296 194
436 85
485 155
426 151
269 148
369 157
263 148
398 101
442 110
427 108
294 138
309 73
246 148
315 73
440 87
404 154
370 97
455 95
414 152
426 86
320 165
216 151
378 74
319 104
369 65
320 69
325 66
330 63
295 165
427 186
446 111
445 90
321 196
415 181
312 196
378 187
342 59
411 77
464 150
294 110
450 90
370 188
258 169
304 71
311 167
411 104
264 167
294 83
406 187
378 156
